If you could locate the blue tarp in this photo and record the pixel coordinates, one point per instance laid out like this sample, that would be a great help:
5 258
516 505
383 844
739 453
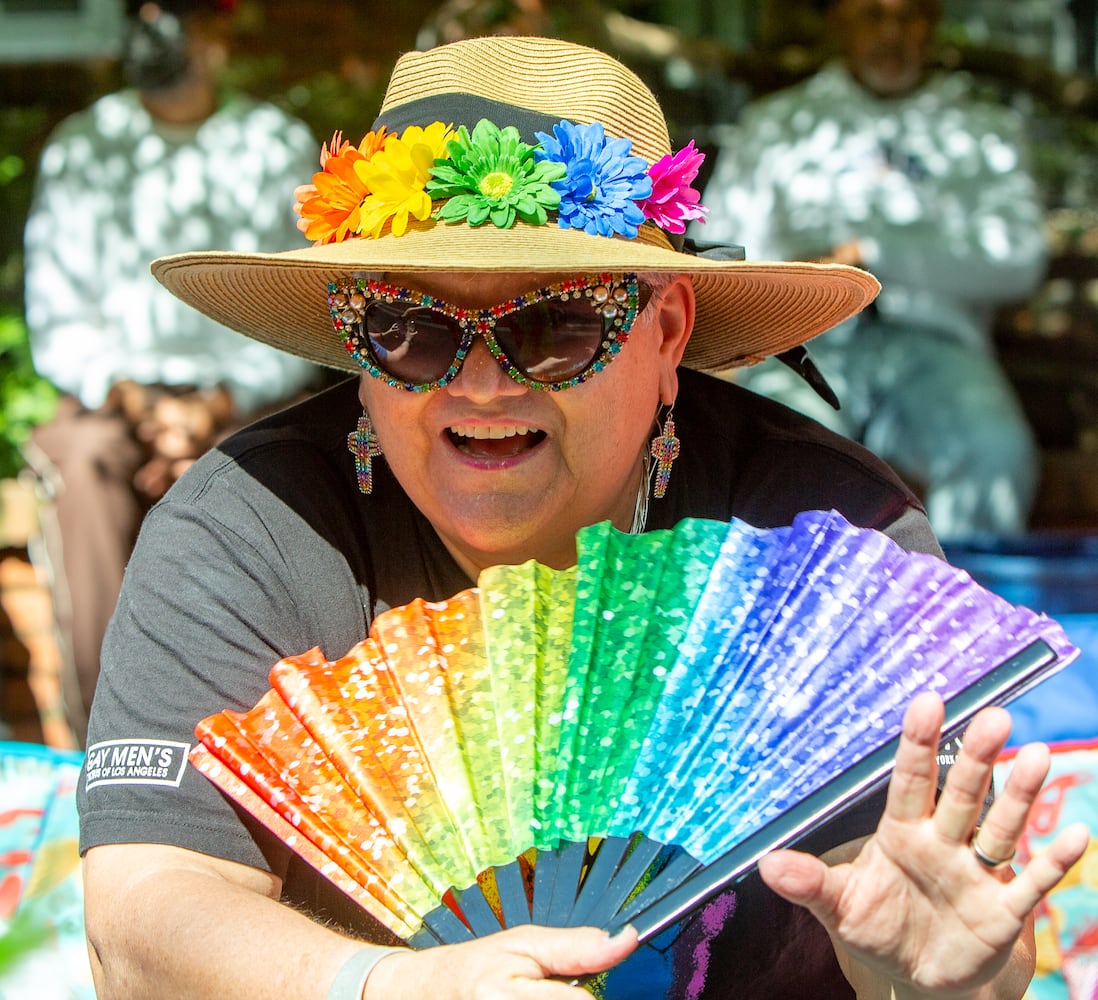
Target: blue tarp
1056 574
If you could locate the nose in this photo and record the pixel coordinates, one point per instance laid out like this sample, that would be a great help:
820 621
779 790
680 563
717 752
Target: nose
894 20
481 378
893 26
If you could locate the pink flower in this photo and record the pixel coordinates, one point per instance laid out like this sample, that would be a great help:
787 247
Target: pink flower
673 201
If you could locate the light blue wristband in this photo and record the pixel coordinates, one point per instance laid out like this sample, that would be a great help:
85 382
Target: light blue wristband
350 981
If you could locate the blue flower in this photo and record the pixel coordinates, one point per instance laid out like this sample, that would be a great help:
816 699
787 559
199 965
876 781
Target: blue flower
603 183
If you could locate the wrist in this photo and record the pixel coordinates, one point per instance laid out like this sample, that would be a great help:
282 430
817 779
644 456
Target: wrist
350 981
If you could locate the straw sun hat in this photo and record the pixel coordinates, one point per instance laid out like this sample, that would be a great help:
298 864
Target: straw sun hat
746 310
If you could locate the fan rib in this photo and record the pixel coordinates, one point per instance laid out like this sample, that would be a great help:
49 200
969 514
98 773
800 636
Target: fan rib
475 910
513 899
606 889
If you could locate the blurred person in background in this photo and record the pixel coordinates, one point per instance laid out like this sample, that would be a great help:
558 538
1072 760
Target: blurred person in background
583 21
882 162
457 19
172 161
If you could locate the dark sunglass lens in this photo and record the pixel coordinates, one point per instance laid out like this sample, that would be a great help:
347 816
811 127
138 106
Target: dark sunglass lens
551 341
412 343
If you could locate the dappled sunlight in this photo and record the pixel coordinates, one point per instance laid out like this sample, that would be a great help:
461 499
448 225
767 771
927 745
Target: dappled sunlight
932 193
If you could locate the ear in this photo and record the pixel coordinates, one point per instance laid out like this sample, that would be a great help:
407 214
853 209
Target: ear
675 323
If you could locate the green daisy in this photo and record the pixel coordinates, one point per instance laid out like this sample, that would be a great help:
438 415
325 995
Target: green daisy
492 176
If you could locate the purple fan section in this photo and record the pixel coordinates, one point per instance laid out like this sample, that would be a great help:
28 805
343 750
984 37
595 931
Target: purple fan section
803 653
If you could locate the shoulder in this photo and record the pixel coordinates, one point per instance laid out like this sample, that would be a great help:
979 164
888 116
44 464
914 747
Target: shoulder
291 459
816 94
765 463
959 96
118 105
265 118
279 501
112 119
266 497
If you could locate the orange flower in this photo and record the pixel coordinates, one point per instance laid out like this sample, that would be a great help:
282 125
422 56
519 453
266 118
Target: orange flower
329 206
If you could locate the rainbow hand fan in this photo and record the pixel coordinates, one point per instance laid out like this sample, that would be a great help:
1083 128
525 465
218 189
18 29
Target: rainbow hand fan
616 742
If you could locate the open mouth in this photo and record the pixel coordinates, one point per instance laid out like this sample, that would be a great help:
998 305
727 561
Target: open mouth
494 441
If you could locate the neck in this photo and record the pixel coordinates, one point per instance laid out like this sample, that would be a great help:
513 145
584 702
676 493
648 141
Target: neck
189 102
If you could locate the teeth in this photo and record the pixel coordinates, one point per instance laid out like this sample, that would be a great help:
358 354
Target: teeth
482 432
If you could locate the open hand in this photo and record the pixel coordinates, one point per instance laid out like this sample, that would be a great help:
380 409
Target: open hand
916 907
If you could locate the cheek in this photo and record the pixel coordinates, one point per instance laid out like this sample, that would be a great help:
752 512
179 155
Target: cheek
616 419
395 415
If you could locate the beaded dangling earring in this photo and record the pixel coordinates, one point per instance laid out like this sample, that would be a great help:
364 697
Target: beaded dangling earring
665 449
363 444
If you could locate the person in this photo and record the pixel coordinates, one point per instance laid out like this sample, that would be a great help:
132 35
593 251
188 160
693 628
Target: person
457 19
148 385
462 444
882 162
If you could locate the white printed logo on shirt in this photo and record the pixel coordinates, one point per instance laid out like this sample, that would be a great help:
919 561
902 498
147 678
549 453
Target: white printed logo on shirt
135 762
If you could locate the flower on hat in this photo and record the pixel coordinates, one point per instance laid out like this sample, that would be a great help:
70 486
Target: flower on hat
492 175
673 201
603 183
592 182
329 207
396 177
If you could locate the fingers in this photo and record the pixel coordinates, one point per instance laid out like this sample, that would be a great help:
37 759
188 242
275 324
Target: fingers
1006 820
914 779
1042 874
528 961
803 880
968 781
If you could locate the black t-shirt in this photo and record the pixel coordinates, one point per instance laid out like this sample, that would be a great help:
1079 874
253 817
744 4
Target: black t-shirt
266 548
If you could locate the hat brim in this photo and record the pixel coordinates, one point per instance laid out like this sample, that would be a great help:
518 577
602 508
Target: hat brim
746 310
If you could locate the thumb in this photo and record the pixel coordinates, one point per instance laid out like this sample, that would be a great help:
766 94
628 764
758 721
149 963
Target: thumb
802 879
575 951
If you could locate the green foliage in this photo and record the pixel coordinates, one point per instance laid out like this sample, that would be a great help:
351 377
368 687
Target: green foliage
22 130
26 933
26 399
327 102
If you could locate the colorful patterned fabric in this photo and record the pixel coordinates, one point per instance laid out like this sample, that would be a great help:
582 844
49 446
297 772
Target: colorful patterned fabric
1067 920
42 949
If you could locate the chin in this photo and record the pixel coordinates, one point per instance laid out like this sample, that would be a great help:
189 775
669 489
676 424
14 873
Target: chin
893 82
498 540
502 538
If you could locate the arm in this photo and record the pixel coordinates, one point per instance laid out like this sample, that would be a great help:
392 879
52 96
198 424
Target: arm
163 921
912 913
206 609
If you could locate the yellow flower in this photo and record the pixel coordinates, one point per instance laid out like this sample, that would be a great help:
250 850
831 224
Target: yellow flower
396 177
